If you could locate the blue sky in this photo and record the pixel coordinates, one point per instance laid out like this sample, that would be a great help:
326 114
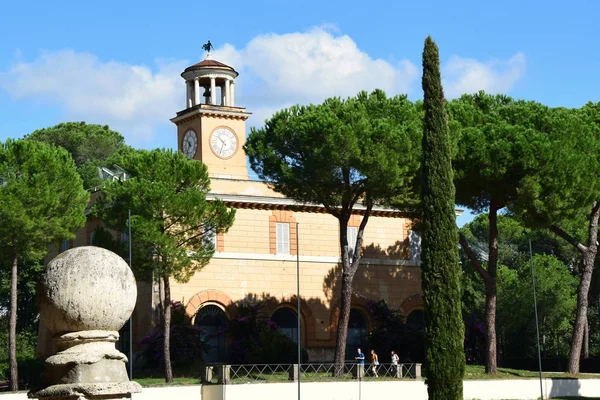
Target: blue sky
118 62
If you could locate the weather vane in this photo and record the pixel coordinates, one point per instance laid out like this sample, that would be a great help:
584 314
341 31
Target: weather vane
207 46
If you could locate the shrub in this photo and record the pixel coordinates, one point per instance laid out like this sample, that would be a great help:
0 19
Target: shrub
391 332
257 340
187 341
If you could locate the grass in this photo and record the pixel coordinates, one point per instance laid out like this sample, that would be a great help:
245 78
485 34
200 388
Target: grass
478 372
160 381
472 372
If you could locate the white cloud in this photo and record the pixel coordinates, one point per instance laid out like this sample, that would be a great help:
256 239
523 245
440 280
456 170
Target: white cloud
275 72
133 99
466 75
311 66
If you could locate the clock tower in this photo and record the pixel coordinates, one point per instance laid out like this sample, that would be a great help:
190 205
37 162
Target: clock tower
211 128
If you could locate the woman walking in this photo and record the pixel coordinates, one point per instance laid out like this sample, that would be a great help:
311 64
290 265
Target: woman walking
374 363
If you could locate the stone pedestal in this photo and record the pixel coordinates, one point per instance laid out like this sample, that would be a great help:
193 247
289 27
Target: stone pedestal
85 296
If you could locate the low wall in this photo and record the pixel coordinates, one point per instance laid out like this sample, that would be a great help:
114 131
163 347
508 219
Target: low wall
518 389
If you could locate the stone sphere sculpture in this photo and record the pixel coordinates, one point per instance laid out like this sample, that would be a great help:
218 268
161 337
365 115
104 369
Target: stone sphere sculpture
86 288
85 296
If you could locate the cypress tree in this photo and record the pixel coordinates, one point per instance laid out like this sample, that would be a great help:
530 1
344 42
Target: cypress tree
444 329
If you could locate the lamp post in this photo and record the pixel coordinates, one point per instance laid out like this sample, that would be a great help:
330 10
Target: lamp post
298 313
537 328
130 319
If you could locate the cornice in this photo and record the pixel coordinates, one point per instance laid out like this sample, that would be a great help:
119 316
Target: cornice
198 111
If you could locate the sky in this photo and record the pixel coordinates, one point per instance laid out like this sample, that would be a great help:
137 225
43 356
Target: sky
118 63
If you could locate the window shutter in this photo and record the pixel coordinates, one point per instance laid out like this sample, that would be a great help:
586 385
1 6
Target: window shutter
209 237
351 233
283 238
414 243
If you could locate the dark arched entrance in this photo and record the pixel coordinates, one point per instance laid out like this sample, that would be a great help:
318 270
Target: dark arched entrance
287 321
212 320
414 349
357 334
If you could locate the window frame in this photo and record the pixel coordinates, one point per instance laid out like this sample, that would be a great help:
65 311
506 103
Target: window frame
282 238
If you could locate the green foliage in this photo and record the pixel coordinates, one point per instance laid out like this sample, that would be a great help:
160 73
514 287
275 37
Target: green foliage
556 301
341 151
30 271
91 146
444 328
41 195
30 367
565 186
257 340
501 142
166 194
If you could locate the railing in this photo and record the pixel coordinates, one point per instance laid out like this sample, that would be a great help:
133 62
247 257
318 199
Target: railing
270 373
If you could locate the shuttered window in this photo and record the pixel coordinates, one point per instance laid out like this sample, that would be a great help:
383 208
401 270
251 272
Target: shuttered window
414 243
283 238
351 232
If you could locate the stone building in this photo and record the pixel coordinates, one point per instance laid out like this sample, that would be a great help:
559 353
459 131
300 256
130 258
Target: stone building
257 258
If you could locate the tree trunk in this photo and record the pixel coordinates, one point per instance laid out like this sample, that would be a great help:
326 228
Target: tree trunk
342 328
345 302
167 331
588 257
490 295
580 319
12 328
490 328
349 268
586 339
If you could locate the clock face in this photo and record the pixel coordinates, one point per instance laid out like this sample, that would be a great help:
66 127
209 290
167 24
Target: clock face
223 142
190 144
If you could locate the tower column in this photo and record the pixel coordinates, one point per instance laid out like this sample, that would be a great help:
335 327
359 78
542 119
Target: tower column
188 94
196 92
227 92
213 91
231 96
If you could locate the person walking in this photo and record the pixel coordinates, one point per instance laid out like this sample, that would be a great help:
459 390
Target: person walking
374 363
395 362
360 367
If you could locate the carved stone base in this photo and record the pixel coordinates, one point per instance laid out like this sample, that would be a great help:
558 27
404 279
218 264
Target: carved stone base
85 391
87 366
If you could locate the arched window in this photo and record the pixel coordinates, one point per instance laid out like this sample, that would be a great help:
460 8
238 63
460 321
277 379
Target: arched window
413 349
357 334
415 318
213 321
287 321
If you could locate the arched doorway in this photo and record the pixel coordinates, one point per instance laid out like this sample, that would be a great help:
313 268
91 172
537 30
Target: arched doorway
357 334
212 320
287 321
415 318
414 348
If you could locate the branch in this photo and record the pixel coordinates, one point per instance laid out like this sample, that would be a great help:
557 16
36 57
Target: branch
173 222
570 239
472 257
190 238
593 228
359 235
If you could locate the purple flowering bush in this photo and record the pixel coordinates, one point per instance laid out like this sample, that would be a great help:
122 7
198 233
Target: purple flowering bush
255 339
187 341
393 332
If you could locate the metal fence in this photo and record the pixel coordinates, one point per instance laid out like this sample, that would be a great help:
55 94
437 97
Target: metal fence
270 373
